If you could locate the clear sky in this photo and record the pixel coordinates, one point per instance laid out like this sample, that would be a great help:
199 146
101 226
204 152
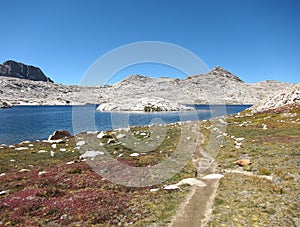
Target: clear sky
255 39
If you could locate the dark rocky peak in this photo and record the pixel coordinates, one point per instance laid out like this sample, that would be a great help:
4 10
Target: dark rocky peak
19 70
218 70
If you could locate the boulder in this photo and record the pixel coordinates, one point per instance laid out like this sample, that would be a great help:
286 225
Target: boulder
59 134
243 162
19 70
5 105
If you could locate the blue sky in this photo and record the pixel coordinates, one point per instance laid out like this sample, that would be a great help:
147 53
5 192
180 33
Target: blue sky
255 40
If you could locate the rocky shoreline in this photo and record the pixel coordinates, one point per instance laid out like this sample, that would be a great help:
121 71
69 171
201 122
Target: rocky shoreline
216 87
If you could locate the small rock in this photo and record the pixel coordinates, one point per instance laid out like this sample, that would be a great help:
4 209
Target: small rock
154 189
54 146
60 134
63 149
70 163
64 217
101 135
24 170
191 182
109 141
42 151
80 143
171 187
243 162
4 192
239 139
41 173
134 154
120 136
91 154
21 148
52 153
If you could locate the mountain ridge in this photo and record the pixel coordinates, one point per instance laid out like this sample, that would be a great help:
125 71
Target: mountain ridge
216 86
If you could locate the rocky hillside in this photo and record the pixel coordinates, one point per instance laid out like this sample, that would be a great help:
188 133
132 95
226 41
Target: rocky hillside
290 96
19 70
217 86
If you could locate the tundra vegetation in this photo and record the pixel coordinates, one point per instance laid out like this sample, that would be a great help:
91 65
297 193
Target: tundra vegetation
45 184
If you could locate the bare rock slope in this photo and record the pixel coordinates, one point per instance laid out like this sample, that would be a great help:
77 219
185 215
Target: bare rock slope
217 86
288 96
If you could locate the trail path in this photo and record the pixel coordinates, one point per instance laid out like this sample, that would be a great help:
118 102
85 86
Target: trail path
196 210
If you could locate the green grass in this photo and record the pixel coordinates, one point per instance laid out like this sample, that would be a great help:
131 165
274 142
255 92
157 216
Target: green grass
252 201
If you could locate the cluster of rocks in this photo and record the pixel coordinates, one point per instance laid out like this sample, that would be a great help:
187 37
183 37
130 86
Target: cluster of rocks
286 97
145 104
135 92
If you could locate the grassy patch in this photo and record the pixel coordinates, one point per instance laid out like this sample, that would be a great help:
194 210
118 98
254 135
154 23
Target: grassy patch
252 201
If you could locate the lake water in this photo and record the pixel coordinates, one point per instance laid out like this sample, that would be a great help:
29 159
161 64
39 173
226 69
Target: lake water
22 123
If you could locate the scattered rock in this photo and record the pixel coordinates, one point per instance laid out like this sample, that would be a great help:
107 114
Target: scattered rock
186 181
109 141
134 154
24 170
70 163
239 139
41 173
4 192
4 105
91 154
101 135
21 148
213 176
80 143
171 187
191 182
120 136
60 134
243 162
154 189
